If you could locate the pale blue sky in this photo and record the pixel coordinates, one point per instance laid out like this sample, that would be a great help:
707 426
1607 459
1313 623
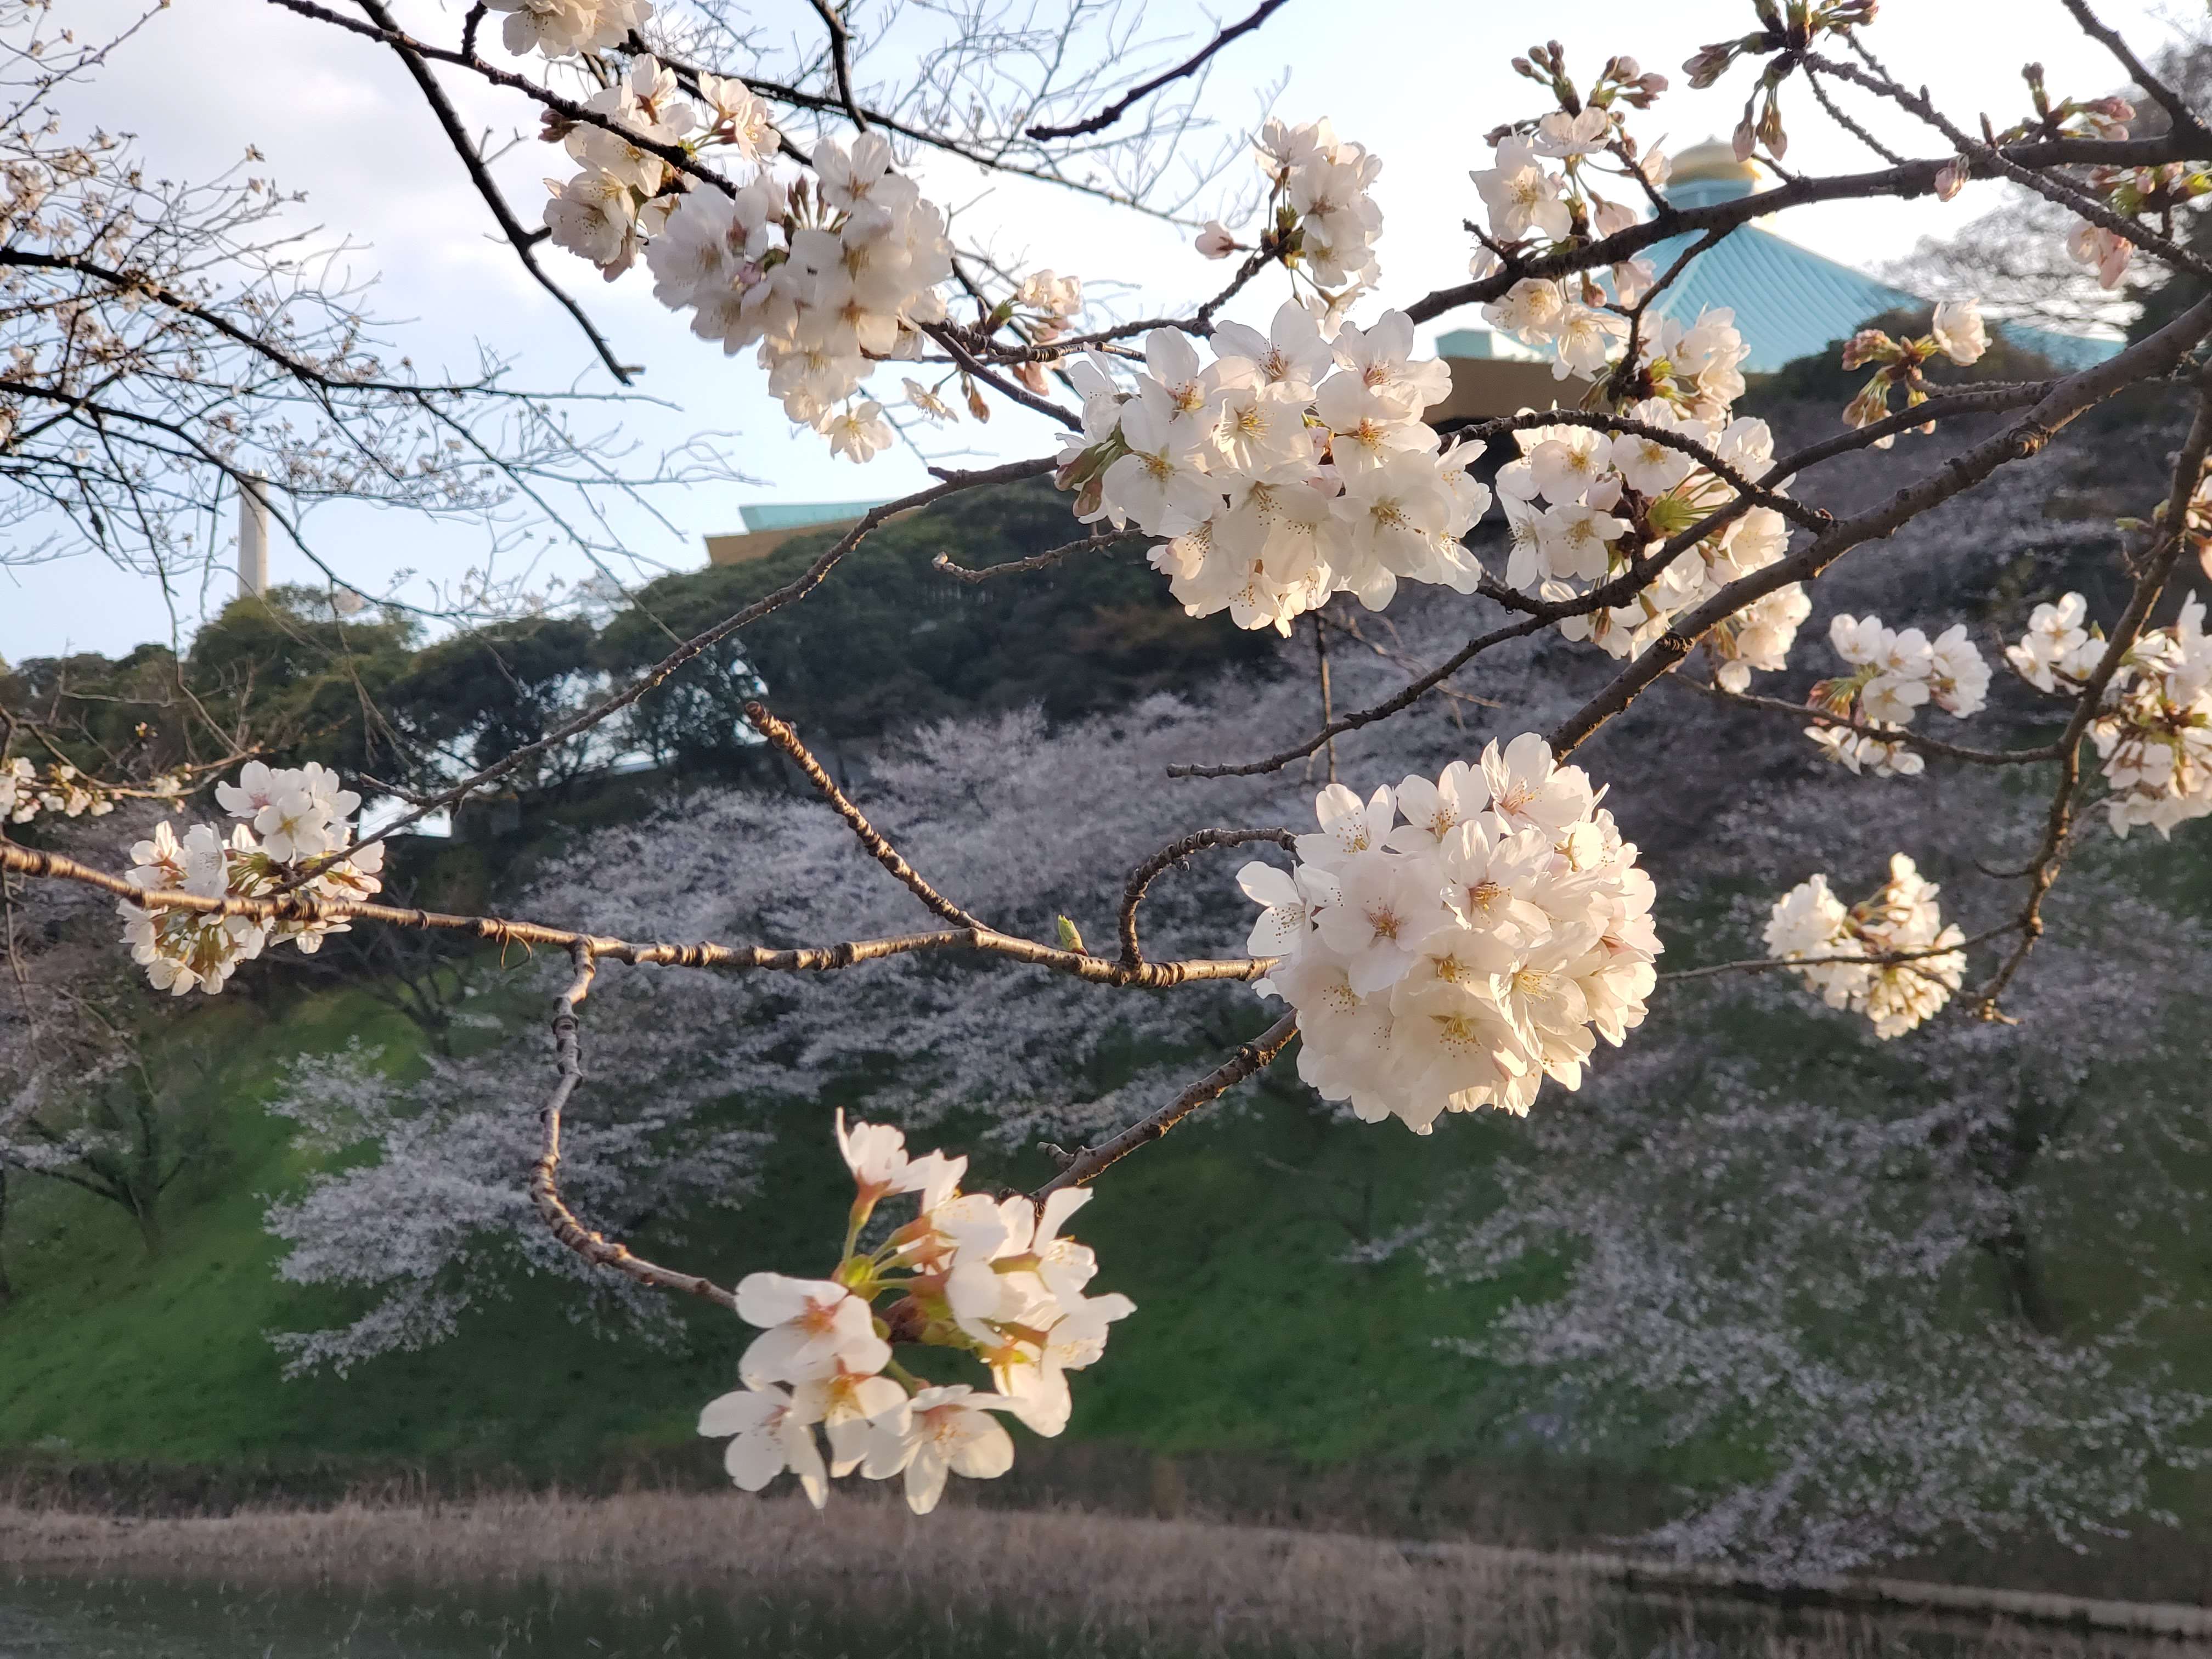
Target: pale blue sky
338 118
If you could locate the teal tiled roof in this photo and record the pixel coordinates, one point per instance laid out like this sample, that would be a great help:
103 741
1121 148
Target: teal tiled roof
1790 302
800 515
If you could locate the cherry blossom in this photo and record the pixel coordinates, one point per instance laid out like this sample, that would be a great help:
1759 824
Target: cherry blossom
1900 921
998 1280
939 1432
560 28
1455 961
1288 469
769 1432
1895 673
298 822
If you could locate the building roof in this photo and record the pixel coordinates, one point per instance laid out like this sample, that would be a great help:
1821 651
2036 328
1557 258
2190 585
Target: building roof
801 515
1790 302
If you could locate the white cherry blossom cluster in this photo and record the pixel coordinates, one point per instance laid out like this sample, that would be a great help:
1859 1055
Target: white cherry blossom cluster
995 1279
559 28
822 273
1532 207
1323 220
623 190
64 790
1455 960
1957 332
1292 466
291 818
1900 921
1895 673
2058 653
1580 504
2154 728
822 279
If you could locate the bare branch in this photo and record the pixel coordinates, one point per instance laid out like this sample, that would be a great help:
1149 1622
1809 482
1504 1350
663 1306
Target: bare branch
1140 878
787 742
1090 1162
1136 94
1094 543
544 1174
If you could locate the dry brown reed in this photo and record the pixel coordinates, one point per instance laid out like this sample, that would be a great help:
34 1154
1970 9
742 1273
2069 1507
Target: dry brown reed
1127 1584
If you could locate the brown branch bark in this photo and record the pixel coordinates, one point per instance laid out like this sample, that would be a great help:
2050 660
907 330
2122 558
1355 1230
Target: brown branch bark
1090 1162
787 743
1136 94
545 1175
498 930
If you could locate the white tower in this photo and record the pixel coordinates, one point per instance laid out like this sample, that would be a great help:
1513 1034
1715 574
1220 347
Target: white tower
253 538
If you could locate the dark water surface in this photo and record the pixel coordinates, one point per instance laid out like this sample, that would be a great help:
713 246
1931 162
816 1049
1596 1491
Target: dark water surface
48 1617
54 1616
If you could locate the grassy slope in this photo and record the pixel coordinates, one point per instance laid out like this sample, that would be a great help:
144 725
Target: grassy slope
1252 1334
108 1354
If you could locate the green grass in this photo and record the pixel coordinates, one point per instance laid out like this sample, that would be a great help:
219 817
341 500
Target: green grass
1251 1335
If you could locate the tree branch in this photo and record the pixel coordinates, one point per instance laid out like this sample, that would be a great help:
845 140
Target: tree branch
1091 1162
1136 94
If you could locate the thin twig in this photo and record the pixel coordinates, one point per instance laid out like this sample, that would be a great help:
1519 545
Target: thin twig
2185 120
544 1176
1910 739
1133 891
524 241
805 583
1090 1162
1886 959
1136 94
974 576
787 742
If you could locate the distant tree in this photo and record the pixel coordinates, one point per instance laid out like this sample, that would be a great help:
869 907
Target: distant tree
85 1100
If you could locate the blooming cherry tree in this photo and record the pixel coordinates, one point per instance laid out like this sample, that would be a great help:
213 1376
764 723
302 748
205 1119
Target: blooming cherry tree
1441 946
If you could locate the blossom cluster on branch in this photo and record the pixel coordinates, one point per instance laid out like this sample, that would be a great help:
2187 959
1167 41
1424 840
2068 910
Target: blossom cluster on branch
1323 219
1900 922
1291 467
1456 960
1581 505
1895 672
1956 332
2153 729
293 832
995 1279
1534 210
61 789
